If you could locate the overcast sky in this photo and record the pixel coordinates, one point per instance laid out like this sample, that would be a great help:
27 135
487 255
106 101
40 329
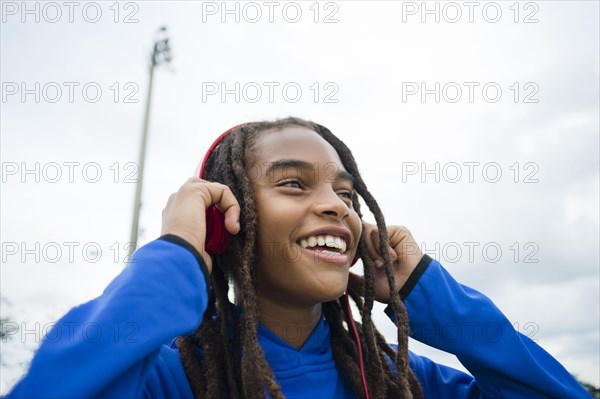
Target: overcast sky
477 127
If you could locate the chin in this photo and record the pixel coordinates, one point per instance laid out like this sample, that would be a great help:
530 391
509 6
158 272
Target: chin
334 292
335 297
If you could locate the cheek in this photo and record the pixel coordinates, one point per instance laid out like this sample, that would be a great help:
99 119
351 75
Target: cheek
277 215
272 220
267 218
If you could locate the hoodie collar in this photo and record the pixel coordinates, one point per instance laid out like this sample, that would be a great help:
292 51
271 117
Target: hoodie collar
283 357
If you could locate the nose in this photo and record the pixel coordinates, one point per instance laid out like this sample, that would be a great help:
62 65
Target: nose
328 203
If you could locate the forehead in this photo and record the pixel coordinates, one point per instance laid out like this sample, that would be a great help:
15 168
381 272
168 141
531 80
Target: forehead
294 143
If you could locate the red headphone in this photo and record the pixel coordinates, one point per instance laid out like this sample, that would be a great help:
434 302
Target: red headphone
217 238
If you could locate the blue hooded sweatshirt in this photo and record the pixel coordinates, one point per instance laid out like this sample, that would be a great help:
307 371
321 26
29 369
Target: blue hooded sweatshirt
121 344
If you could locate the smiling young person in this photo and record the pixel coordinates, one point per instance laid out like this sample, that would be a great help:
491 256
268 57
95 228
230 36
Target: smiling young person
290 191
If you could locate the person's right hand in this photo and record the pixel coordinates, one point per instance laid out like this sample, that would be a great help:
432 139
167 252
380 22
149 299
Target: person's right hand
185 212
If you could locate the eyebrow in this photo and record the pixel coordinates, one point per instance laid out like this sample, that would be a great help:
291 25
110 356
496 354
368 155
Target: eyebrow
298 164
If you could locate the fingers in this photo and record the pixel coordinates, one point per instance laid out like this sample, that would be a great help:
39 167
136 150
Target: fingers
404 243
398 239
373 246
391 250
222 197
372 241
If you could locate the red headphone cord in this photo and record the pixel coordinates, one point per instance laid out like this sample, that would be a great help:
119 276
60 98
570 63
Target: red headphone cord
357 340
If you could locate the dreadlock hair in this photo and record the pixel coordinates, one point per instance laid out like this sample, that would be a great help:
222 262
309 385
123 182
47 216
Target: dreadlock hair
212 357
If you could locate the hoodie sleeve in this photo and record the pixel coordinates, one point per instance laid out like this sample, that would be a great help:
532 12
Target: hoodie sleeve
457 319
108 346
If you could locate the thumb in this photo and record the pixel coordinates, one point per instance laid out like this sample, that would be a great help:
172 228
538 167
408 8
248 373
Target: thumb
356 283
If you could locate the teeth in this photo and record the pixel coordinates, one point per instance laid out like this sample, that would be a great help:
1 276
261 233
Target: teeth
330 241
325 240
341 244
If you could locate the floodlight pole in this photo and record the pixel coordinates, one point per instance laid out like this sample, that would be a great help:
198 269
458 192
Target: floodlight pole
161 54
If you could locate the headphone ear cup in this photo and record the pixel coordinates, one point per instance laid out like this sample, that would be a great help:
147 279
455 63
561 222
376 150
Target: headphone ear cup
217 238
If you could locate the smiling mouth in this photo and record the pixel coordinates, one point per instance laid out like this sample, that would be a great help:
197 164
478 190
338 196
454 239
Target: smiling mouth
325 243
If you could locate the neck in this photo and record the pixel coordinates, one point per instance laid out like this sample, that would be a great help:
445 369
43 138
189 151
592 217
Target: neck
292 324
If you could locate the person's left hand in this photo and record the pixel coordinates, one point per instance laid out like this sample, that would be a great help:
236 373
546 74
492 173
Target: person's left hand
405 255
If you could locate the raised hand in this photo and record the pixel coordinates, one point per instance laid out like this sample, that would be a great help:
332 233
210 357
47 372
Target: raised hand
404 253
185 212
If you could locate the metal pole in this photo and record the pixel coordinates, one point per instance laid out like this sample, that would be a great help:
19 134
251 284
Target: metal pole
160 53
137 203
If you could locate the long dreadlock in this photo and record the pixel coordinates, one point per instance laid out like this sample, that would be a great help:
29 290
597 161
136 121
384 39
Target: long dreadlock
212 356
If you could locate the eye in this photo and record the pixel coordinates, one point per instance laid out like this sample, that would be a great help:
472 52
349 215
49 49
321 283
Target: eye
347 197
346 194
293 183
